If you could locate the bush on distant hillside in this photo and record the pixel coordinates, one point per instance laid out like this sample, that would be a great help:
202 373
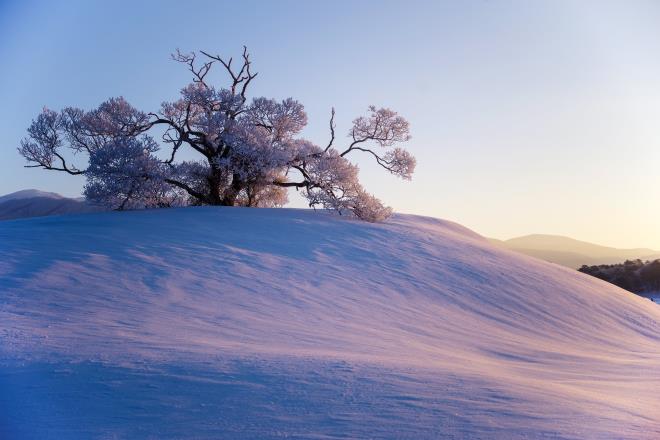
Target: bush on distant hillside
650 275
247 152
633 275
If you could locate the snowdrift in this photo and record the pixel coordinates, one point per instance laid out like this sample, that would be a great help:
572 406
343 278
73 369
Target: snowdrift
271 323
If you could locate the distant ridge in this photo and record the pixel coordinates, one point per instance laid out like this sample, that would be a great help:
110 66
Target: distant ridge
37 203
571 252
28 194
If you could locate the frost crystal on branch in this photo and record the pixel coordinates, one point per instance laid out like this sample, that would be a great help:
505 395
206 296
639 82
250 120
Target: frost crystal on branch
249 152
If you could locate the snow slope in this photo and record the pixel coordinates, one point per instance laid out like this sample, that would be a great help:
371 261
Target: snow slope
278 323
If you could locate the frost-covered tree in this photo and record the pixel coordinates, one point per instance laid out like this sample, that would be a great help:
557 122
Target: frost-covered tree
248 151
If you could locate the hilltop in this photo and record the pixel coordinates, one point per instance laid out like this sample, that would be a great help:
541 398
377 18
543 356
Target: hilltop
272 323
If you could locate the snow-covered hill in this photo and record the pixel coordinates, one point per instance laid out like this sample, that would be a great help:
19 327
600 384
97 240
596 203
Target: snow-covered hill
258 323
36 203
29 194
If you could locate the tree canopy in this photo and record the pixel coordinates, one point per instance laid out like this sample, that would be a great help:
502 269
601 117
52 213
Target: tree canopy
249 152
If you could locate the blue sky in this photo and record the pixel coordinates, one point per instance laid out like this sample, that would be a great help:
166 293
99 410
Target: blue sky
526 116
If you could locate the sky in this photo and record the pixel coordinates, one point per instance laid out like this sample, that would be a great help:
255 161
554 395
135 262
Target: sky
526 117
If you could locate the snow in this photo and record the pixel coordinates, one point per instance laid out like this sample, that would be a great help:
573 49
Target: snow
653 296
280 323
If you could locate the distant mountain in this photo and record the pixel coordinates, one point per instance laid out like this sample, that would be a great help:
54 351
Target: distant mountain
29 194
573 253
36 203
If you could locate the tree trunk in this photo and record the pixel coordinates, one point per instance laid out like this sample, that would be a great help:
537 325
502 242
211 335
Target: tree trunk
231 193
214 189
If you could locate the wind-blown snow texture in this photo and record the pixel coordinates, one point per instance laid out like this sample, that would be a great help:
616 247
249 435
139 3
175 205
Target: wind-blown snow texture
278 323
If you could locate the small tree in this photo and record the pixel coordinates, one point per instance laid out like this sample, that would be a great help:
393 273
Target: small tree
248 151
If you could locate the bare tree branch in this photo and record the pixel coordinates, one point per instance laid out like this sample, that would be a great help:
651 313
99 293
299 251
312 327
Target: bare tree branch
242 78
198 73
332 130
188 189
